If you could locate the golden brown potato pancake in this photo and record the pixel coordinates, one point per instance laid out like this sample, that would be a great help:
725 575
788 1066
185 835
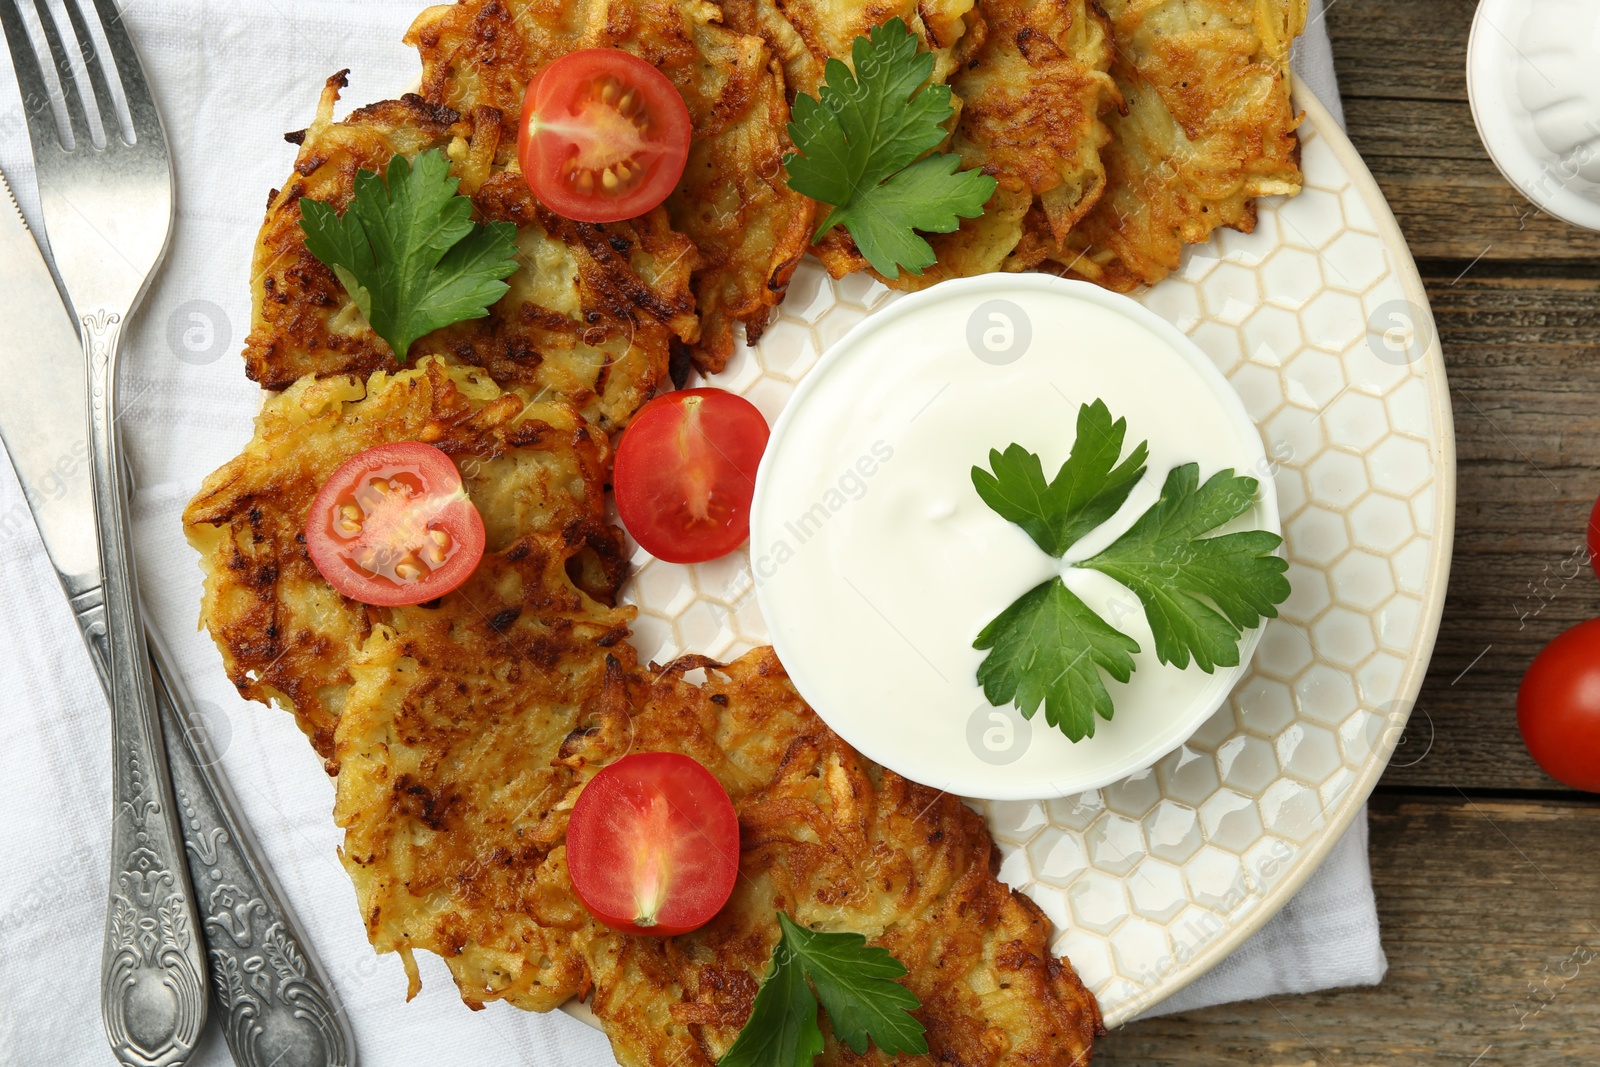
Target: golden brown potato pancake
590 316
840 844
1032 81
453 809
456 813
1207 126
537 601
734 202
805 34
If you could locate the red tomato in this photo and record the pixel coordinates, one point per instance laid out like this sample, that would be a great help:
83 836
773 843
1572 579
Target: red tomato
1558 707
653 845
604 136
394 526
686 472
1594 537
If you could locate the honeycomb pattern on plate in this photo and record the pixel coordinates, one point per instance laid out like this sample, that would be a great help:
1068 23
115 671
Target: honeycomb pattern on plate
1319 322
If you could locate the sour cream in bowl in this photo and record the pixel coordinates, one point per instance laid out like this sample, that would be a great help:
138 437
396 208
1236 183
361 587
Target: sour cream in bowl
878 564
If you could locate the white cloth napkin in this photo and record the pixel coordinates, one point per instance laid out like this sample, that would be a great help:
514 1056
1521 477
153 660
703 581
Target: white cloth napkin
231 78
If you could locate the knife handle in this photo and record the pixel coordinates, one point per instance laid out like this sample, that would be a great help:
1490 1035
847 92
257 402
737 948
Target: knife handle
277 1007
152 978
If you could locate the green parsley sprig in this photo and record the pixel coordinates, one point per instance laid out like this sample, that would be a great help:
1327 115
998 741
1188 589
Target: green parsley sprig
859 144
408 252
1199 592
856 984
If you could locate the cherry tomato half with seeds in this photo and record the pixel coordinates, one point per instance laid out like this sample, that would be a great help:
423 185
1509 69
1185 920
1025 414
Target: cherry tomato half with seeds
686 472
604 136
394 526
653 845
1558 707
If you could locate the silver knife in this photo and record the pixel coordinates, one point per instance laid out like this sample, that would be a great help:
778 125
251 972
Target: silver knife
275 1003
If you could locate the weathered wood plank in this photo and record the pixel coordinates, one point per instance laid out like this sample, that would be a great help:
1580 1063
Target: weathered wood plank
1449 215
1525 378
1492 927
1401 49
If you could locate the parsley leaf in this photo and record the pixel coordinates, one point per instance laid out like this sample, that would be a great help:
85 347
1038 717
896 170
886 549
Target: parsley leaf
856 985
1169 565
1085 492
782 1030
859 141
1200 593
1049 647
408 253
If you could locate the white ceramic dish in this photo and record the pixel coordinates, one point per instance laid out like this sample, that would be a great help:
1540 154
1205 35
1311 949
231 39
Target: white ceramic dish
1531 78
873 597
1321 324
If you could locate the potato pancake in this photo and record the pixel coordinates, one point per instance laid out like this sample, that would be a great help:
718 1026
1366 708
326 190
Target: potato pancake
733 202
842 845
456 813
1032 78
539 598
590 316
1207 127
805 34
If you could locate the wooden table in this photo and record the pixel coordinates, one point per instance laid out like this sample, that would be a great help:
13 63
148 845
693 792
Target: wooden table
1487 871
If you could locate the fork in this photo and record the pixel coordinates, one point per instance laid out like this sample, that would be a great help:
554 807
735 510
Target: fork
108 210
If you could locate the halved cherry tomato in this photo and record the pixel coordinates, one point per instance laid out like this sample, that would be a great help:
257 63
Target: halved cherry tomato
653 845
1558 707
393 526
686 472
604 136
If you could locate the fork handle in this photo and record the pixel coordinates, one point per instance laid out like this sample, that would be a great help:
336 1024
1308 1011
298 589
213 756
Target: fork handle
152 978
278 1007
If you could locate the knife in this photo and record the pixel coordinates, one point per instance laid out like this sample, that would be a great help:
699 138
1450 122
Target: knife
273 998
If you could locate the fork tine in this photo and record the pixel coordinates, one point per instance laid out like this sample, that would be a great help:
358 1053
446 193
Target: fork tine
36 106
77 118
135 89
109 119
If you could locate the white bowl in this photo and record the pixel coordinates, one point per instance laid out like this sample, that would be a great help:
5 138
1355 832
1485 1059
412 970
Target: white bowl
876 564
1533 76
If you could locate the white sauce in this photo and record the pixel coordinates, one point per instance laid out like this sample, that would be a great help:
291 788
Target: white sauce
877 564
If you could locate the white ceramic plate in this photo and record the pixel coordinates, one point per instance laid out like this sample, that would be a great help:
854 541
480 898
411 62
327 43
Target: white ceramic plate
1319 320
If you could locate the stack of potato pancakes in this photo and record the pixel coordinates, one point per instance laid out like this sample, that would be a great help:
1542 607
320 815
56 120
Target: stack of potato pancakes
462 729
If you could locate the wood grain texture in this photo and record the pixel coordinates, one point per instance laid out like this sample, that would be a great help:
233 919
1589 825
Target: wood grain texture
1524 384
1492 927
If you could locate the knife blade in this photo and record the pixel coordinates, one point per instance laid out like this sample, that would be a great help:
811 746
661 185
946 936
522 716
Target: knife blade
43 425
293 1019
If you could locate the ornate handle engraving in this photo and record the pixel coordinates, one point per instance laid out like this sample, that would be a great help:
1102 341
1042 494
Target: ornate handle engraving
152 971
279 1010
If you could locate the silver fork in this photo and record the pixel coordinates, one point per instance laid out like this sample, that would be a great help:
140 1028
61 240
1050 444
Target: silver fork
108 210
